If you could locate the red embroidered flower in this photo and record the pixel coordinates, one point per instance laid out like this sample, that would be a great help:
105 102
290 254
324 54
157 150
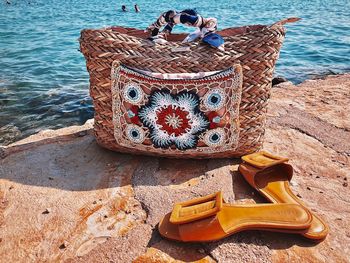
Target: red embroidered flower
173 120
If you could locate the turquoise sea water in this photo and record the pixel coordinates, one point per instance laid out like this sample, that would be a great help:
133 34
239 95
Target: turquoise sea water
43 79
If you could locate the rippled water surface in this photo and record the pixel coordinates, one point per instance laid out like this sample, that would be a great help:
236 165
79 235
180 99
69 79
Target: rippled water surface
43 79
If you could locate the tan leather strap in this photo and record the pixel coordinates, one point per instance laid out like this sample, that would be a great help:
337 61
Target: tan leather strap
196 209
256 163
263 159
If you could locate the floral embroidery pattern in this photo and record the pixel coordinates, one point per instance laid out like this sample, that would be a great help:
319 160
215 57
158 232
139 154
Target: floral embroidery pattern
215 137
173 119
214 99
133 93
135 133
176 116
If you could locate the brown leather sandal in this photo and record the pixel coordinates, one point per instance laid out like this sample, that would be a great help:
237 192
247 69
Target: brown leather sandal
270 175
209 218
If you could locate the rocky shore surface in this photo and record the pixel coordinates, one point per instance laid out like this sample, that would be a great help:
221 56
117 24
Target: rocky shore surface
65 199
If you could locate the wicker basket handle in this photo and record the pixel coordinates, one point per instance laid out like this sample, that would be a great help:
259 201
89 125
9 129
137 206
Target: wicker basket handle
285 21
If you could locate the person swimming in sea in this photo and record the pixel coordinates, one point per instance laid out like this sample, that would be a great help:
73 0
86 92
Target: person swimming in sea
137 9
124 8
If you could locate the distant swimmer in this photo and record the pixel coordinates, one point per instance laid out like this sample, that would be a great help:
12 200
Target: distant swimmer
8 2
124 8
137 8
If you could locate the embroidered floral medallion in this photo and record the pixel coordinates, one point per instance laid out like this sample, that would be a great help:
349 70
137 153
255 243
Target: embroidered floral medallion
173 119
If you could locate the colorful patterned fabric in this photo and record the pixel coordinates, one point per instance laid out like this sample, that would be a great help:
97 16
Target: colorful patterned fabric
187 17
174 114
173 119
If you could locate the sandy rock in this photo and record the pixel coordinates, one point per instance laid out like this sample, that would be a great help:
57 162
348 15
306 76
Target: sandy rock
326 99
81 184
154 255
242 247
65 199
8 133
124 248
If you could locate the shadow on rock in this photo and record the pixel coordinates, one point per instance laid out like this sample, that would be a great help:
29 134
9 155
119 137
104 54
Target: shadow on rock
246 246
78 163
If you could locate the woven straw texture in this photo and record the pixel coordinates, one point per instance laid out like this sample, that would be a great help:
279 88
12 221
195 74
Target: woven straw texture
256 48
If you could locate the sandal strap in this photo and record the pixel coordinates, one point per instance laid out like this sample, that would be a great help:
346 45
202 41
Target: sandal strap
196 209
256 163
263 159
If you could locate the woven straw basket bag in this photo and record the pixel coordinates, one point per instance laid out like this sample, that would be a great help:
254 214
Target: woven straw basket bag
250 50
